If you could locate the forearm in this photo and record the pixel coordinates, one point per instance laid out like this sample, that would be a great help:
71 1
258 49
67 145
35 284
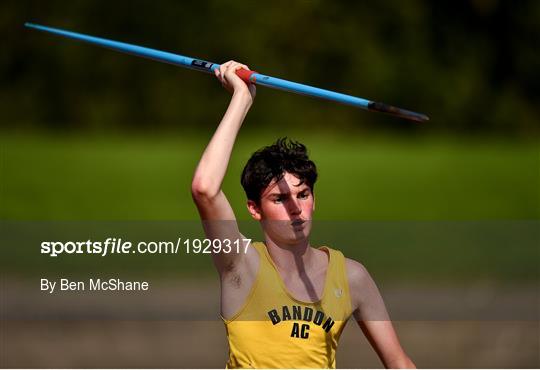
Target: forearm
383 338
215 159
403 362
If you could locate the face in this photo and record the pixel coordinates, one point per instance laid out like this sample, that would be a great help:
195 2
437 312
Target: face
285 210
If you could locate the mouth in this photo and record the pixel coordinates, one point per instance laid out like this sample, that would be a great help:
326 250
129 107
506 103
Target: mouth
298 223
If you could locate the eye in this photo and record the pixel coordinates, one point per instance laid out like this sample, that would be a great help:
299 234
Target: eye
303 195
278 200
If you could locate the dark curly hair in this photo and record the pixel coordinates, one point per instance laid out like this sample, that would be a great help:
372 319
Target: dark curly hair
271 162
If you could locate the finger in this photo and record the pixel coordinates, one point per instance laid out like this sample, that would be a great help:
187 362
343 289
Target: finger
232 68
220 77
222 70
229 74
243 76
233 63
237 66
227 65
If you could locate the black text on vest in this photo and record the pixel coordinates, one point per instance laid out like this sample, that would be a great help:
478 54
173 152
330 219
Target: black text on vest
300 331
300 313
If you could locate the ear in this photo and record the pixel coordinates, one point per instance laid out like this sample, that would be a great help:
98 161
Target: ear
313 202
254 210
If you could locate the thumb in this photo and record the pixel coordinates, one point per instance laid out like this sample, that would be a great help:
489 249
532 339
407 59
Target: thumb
252 89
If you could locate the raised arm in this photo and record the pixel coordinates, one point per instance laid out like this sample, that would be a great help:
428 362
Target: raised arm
370 313
215 211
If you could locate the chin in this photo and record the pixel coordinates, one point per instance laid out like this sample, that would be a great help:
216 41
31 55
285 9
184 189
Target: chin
282 232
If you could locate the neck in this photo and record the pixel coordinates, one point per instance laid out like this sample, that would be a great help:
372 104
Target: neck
293 258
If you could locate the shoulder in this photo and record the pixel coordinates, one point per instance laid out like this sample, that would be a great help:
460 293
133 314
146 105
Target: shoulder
362 288
357 274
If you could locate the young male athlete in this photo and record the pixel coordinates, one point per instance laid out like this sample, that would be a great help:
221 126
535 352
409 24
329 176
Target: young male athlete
284 303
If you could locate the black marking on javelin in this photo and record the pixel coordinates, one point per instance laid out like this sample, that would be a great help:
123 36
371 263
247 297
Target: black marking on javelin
202 64
395 111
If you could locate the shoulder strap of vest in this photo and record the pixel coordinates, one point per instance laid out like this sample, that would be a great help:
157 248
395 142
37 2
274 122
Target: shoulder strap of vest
339 283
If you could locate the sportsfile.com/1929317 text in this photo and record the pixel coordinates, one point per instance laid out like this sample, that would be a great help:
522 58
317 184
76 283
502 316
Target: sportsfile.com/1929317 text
118 246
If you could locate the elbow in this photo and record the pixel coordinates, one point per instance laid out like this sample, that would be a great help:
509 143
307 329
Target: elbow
202 191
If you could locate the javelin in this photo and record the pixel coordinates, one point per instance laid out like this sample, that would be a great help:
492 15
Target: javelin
245 75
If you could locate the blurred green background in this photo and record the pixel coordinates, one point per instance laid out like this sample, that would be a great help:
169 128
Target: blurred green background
91 134
471 65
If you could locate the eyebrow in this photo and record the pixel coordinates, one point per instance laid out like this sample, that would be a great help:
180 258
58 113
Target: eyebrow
287 193
278 194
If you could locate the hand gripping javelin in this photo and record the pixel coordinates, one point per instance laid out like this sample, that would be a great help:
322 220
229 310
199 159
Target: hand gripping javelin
247 76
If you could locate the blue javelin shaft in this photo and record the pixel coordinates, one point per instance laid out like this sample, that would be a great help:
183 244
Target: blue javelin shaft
247 76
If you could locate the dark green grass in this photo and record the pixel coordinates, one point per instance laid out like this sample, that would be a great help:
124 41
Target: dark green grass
148 178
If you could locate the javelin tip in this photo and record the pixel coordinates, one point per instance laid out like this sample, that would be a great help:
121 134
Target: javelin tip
398 112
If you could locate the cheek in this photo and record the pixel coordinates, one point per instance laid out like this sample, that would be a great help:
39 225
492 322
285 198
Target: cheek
278 211
272 211
308 207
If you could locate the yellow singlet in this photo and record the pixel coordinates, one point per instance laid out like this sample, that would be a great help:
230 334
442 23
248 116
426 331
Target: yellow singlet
275 330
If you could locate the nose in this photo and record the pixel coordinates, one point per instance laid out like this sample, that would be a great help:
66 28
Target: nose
294 208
